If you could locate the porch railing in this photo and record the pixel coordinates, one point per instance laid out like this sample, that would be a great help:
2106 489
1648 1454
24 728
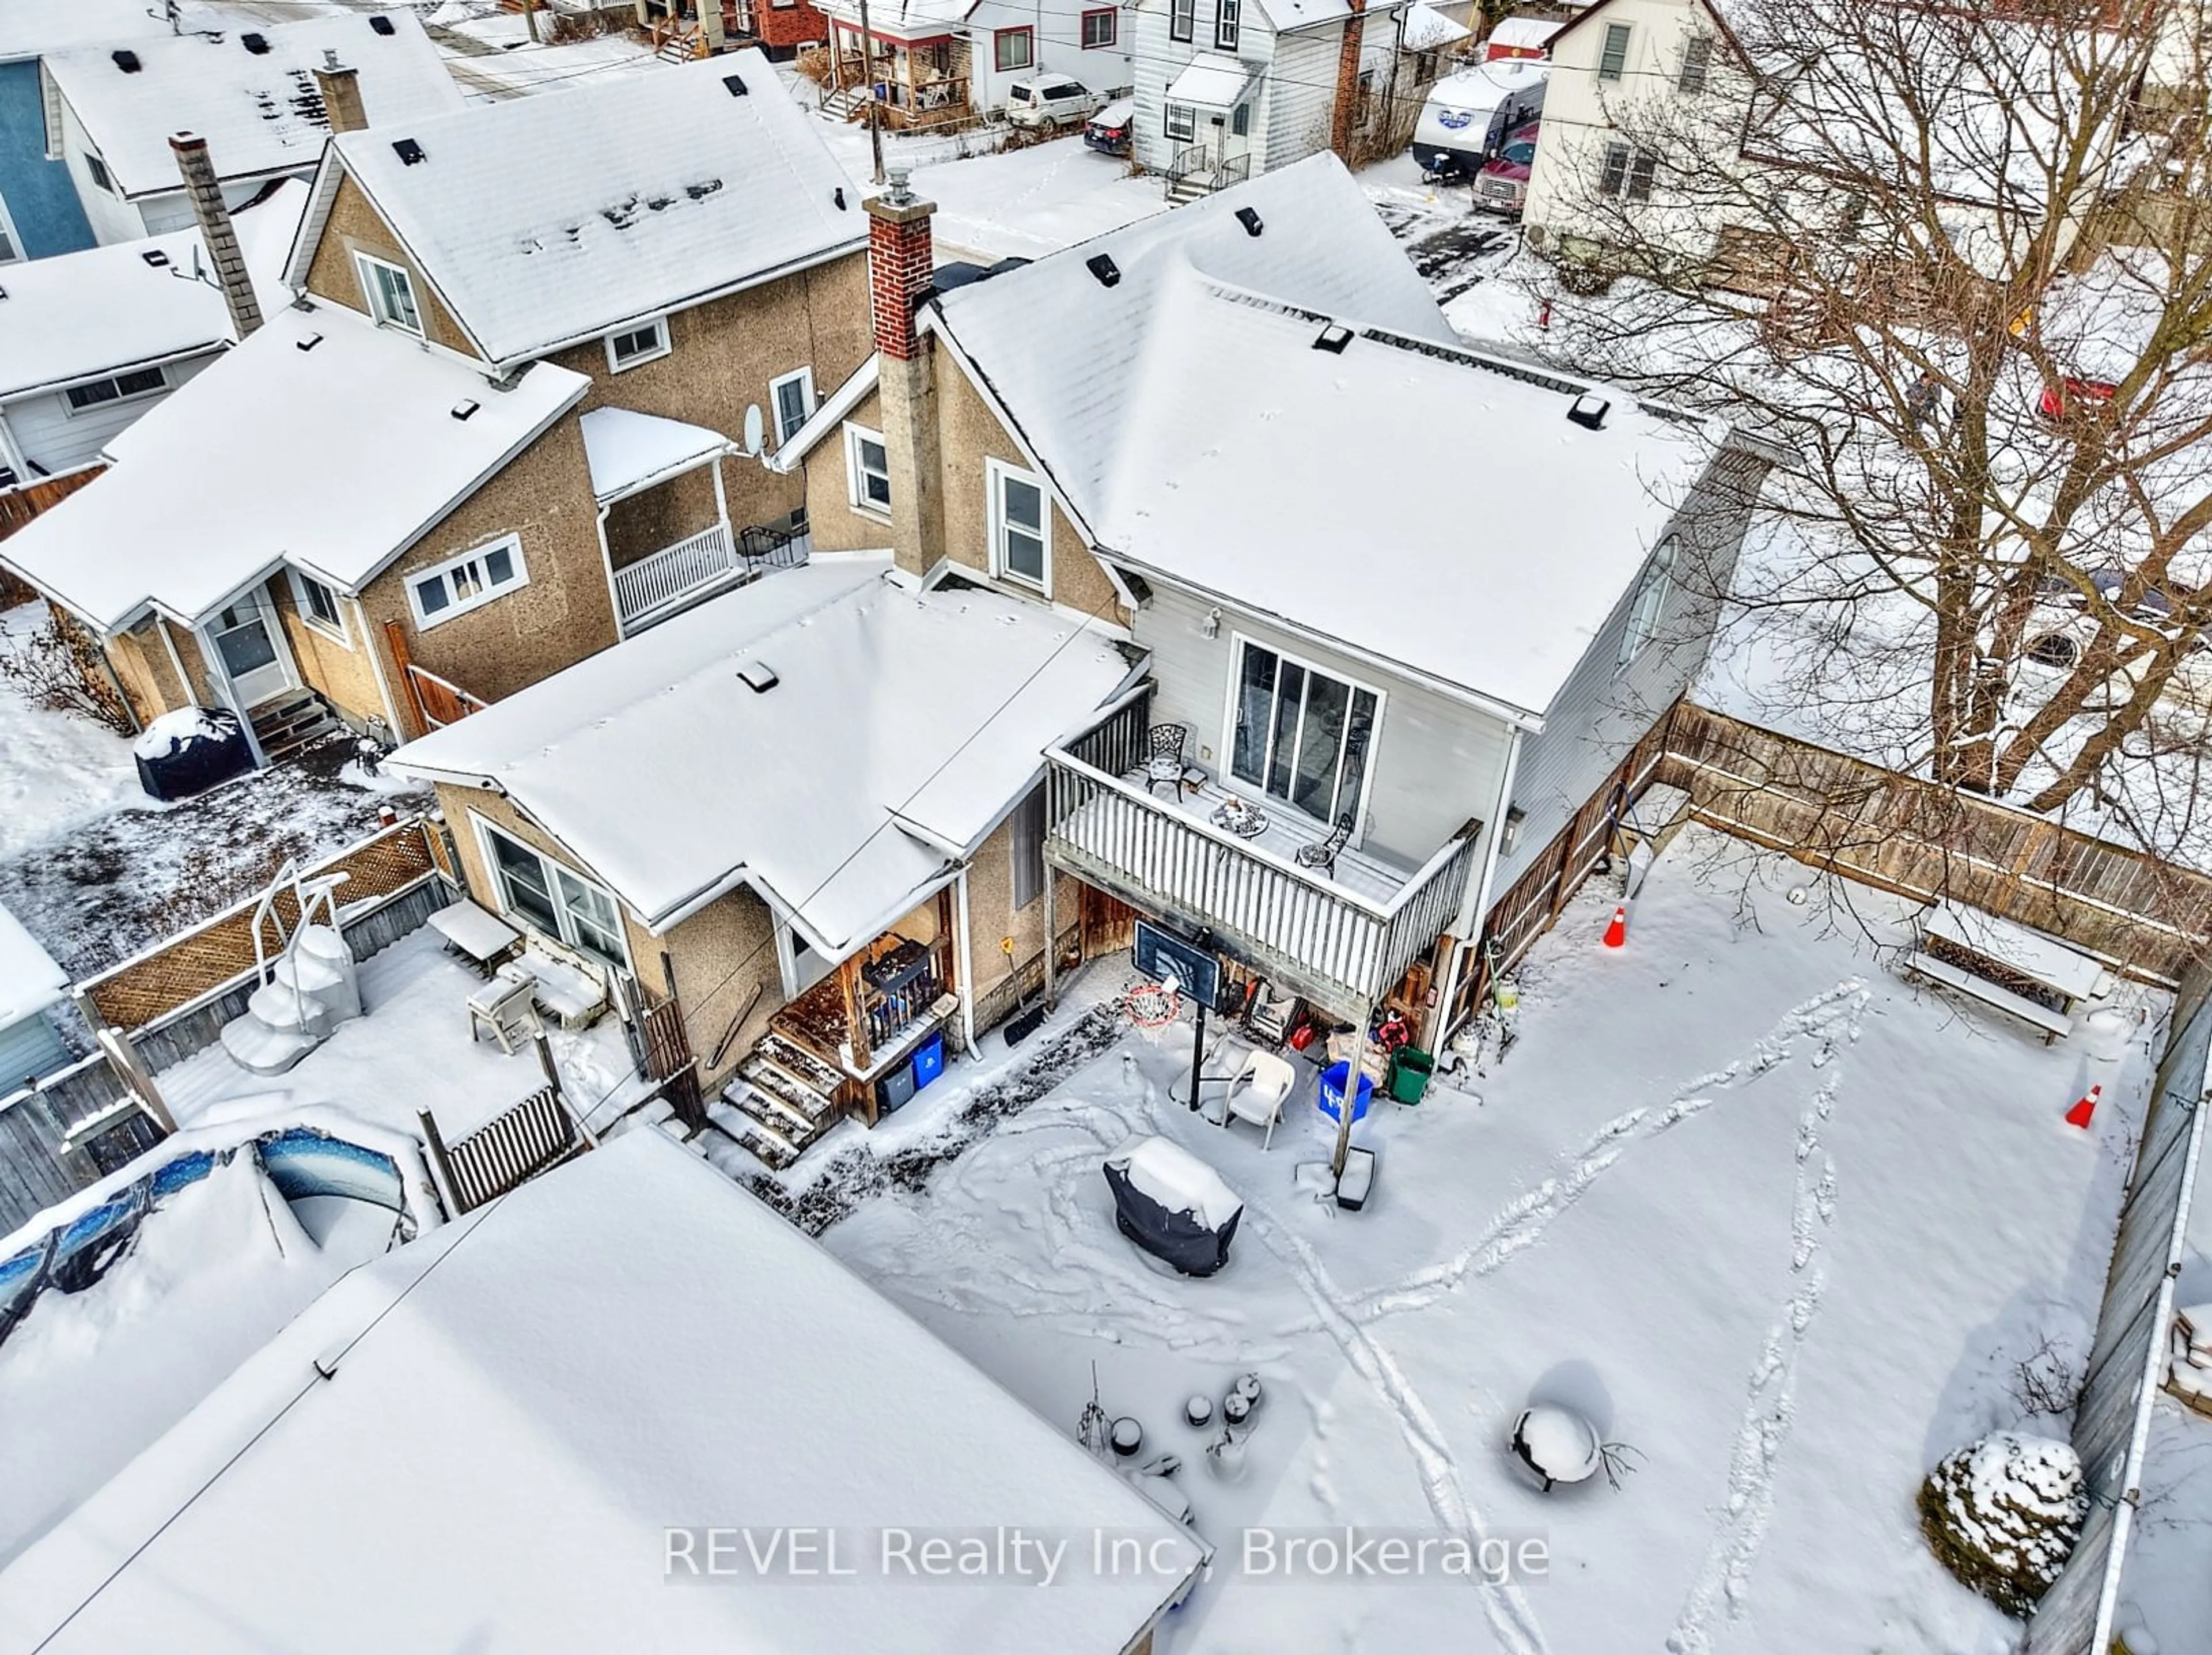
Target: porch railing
1197 163
1320 937
651 588
440 700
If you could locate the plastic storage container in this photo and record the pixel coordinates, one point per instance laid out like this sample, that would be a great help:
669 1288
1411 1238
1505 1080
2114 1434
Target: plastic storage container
928 1061
894 1089
1332 1094
1409 1076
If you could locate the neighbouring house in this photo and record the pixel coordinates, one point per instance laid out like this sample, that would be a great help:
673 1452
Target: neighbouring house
1230 88
92 341
504 425
705 28
253 94
810 809
31 986
1416 678
572 1373
938 63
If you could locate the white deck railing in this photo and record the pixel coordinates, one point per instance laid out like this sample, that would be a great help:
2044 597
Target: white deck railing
674 572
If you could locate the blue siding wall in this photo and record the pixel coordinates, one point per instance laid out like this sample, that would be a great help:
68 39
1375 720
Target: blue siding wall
40 198
30 1049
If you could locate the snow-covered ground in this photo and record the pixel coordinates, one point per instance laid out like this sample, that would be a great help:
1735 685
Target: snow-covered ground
1770 1215
56 771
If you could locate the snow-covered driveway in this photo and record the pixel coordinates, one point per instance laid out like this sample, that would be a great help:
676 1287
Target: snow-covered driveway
1770 1217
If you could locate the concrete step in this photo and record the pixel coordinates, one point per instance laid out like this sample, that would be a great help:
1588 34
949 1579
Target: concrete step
260 1049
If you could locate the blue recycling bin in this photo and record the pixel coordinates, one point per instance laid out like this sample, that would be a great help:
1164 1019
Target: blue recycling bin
928 1061
1332 1094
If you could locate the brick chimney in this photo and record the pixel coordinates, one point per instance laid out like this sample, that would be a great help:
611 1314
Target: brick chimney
216 231
340 88
1343 130
900 266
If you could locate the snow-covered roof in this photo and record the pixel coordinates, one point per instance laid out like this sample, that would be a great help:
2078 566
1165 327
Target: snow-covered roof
29 980
30 28
837 793
79 315
1214 80
1521 33
523 1401
1426 29
628 451
908 20
1402 497
341 446
543 222
1489 83
260 113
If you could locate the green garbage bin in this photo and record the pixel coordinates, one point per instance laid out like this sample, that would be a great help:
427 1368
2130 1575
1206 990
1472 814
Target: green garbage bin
1410 1072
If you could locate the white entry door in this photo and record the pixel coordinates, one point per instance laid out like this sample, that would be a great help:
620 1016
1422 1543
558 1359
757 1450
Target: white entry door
245 636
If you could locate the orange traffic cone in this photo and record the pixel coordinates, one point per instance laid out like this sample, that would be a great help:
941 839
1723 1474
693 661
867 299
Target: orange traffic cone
1617 933
2079 1114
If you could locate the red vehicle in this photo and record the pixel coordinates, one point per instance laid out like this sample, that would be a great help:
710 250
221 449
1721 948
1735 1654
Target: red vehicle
1502 185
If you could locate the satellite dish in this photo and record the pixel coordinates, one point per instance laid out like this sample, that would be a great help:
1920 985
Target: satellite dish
756 430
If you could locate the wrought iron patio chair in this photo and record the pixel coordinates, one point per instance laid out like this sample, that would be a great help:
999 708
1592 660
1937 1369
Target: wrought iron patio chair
1163 761
1321 853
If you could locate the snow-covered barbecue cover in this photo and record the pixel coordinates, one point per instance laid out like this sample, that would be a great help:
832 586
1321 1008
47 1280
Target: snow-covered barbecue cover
1173 1205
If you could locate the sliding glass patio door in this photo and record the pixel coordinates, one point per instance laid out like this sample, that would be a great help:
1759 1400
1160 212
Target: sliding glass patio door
1301 735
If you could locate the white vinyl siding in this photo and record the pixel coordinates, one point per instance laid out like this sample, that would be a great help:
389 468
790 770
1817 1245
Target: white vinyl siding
59 438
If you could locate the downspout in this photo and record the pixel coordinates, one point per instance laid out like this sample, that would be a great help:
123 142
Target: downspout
967 965
1473 921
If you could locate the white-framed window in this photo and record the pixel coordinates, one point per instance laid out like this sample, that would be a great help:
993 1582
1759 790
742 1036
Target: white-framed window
469 581
1299 733
1181 122
1182 15
793 398
1628 172
1026 840
1100 29
11 245
1021 526
319 607
1225 17
867 470
391 294
1613 56
121 388
549 898
1013 48
642 343
1696 63
1649 603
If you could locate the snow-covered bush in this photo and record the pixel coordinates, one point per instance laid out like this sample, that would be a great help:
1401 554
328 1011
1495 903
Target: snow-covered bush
2003 1515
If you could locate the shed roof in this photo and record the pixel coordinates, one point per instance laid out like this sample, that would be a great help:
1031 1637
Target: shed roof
1213 79
527 1396
900 723
628 451
260 113
542 222
322 442
79 315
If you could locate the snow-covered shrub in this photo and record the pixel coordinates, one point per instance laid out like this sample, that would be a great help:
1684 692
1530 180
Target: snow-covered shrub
2003 1515
56 667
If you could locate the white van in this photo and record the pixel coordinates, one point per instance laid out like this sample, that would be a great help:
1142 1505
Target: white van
1050 100
1469 115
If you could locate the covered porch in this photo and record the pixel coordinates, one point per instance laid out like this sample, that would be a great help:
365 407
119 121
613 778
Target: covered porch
1209 114
919 81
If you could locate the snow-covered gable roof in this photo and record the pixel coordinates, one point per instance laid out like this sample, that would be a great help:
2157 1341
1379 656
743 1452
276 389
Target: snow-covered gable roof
909 19
1404 497
1426 29
543 222
105 310
526 1396
29 980
671 780
260 113
322 442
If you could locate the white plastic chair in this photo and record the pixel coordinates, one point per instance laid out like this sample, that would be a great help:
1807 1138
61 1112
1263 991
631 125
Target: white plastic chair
1258 1091
504 1006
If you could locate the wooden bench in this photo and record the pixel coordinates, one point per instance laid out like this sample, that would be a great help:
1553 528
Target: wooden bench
2023 973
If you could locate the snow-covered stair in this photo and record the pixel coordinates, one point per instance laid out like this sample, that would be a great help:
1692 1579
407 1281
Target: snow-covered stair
312 986
781 1101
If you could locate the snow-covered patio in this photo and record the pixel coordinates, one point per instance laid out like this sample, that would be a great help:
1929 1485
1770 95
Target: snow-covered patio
1770 1215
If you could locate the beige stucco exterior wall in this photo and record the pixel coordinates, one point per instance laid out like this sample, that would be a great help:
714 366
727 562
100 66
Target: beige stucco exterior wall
835 524
992 919
343 674
564 614
142 666
671 511
354 226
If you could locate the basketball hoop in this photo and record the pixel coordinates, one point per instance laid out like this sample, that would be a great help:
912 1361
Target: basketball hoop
1154 1005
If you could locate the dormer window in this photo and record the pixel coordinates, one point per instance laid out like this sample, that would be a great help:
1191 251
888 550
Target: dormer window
642 343
391 294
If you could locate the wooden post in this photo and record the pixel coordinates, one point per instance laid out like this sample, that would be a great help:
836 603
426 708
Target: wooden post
395 636
441 1170
123 1057
1350 1101
1051 939
856 1024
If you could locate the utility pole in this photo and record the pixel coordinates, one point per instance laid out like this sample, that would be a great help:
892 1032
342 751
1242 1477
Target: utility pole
868 84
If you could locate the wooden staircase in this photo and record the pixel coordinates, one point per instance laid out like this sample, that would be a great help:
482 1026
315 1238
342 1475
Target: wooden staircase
845 103
779 1103
285 724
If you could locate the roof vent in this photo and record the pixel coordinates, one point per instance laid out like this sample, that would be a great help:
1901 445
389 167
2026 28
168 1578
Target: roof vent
126 61
381 23
256 44
1101 265
410 152
759 676
838 194
1250 220
154 257
464 407
1334 339
1590 411
736 83
309 343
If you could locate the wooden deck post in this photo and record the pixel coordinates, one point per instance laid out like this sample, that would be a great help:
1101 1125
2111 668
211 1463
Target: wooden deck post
856 1022
1051 939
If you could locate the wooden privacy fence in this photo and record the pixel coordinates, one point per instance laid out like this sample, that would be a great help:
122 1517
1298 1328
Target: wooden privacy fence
1923 840
203 960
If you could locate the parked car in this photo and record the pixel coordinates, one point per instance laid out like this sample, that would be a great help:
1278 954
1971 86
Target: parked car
1502 185
1049 100
1111 129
